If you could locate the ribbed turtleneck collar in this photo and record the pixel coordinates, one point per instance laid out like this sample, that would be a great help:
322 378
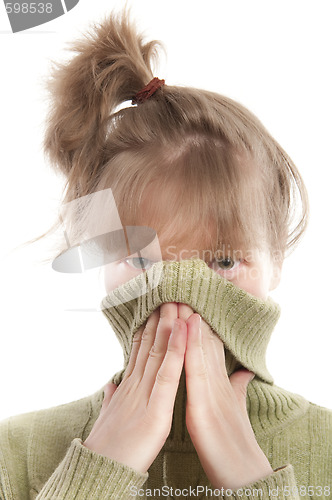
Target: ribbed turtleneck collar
243 322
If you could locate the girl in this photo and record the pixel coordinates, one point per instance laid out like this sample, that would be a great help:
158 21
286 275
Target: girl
206 199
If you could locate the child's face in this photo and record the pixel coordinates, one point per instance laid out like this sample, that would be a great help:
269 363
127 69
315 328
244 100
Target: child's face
253 271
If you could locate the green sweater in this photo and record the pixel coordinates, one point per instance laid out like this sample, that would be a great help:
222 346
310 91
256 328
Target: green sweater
42 455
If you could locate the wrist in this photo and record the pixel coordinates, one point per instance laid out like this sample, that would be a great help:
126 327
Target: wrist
249 474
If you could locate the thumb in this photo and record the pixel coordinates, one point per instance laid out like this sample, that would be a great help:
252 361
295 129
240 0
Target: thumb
239 381
109 390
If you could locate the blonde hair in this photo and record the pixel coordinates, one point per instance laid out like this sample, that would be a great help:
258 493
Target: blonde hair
208 155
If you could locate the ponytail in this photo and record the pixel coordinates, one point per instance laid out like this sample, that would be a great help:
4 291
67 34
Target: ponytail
111 65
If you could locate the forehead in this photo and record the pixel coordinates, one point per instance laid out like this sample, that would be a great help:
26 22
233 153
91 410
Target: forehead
171 205
191 209
163 210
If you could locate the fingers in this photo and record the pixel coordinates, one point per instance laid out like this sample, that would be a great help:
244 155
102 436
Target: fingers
150 342
143 343
195 363
239 381
213 348
205 359
184 311
109 390
134 351
205 366
167 379
168 313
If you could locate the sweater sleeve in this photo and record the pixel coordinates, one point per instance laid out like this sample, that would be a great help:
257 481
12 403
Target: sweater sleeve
86 475
279 485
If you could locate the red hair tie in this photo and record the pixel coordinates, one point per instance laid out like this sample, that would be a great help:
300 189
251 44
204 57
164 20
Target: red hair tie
148 91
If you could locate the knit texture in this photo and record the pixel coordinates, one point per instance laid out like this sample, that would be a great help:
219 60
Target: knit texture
42 455
243 322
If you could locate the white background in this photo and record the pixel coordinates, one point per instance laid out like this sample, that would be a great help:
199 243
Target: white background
272 56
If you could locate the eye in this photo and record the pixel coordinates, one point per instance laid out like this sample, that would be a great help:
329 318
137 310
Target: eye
139 262
226 264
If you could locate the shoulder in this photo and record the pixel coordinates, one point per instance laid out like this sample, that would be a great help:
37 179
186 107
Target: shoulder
292 430
320 412
68 418
34 443
320 426
273 410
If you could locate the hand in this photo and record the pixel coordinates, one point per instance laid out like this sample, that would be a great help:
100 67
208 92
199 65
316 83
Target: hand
136 417
216 415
